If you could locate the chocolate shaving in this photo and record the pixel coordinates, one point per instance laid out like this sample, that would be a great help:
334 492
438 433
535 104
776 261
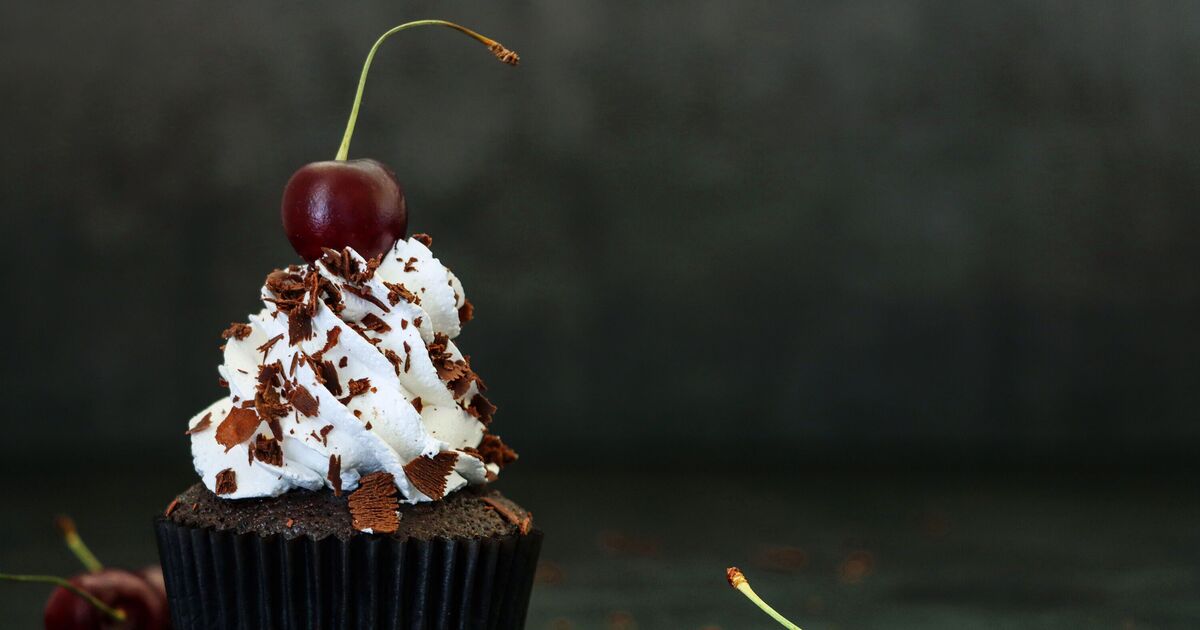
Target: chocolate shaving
373 505
303 401
226 481
297 296
409 264
237 330
397 291
393 358
325 434
372 322
344 265
267 450
523 523
417 321
466 312
266 347
493 450
481 408
417 404
457 374
237 427
428 474
404 324
343 362
423 239
328 376
331 339
204 423
365 293
358 386
335 474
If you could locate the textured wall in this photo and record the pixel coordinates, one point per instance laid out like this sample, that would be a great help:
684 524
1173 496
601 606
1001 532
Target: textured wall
883 227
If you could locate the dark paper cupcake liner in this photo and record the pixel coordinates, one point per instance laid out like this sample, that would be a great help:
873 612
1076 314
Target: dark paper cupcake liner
218 579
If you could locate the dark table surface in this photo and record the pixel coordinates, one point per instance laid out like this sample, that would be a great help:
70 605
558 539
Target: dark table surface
831 550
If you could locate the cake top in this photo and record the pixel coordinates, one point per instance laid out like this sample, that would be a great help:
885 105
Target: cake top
351 369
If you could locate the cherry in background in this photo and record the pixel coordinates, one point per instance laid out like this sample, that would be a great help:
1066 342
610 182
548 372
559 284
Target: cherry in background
101 598
141 603
355 203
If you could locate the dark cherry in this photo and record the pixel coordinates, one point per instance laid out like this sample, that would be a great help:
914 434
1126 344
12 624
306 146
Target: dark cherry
144 606
343 203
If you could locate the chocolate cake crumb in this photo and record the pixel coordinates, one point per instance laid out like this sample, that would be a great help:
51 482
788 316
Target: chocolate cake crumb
226 481
428 474
373 505
204 423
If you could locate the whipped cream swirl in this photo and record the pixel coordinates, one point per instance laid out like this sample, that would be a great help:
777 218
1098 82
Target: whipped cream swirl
350 369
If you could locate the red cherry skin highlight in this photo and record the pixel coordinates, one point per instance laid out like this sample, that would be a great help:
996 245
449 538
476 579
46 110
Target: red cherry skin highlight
343 203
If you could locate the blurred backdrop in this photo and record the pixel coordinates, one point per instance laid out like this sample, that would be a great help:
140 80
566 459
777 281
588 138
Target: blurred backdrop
782 236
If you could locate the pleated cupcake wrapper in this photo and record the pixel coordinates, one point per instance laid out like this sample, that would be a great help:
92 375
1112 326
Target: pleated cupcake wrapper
218 579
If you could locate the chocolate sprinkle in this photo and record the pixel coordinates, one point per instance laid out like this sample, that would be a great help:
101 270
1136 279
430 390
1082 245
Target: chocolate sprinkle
428 474
373 505
226 481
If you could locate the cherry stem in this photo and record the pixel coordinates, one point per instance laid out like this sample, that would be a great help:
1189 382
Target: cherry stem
503 54
738 581
116 613
76 545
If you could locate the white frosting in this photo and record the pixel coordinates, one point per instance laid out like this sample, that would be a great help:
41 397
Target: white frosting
380 429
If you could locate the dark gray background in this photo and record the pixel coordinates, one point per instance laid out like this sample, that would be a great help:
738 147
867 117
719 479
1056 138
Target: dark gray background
811 228
782 236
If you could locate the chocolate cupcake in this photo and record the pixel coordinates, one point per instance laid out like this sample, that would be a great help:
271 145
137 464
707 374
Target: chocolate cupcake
344 477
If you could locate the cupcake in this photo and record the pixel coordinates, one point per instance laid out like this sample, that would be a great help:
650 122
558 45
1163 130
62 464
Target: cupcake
344 478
